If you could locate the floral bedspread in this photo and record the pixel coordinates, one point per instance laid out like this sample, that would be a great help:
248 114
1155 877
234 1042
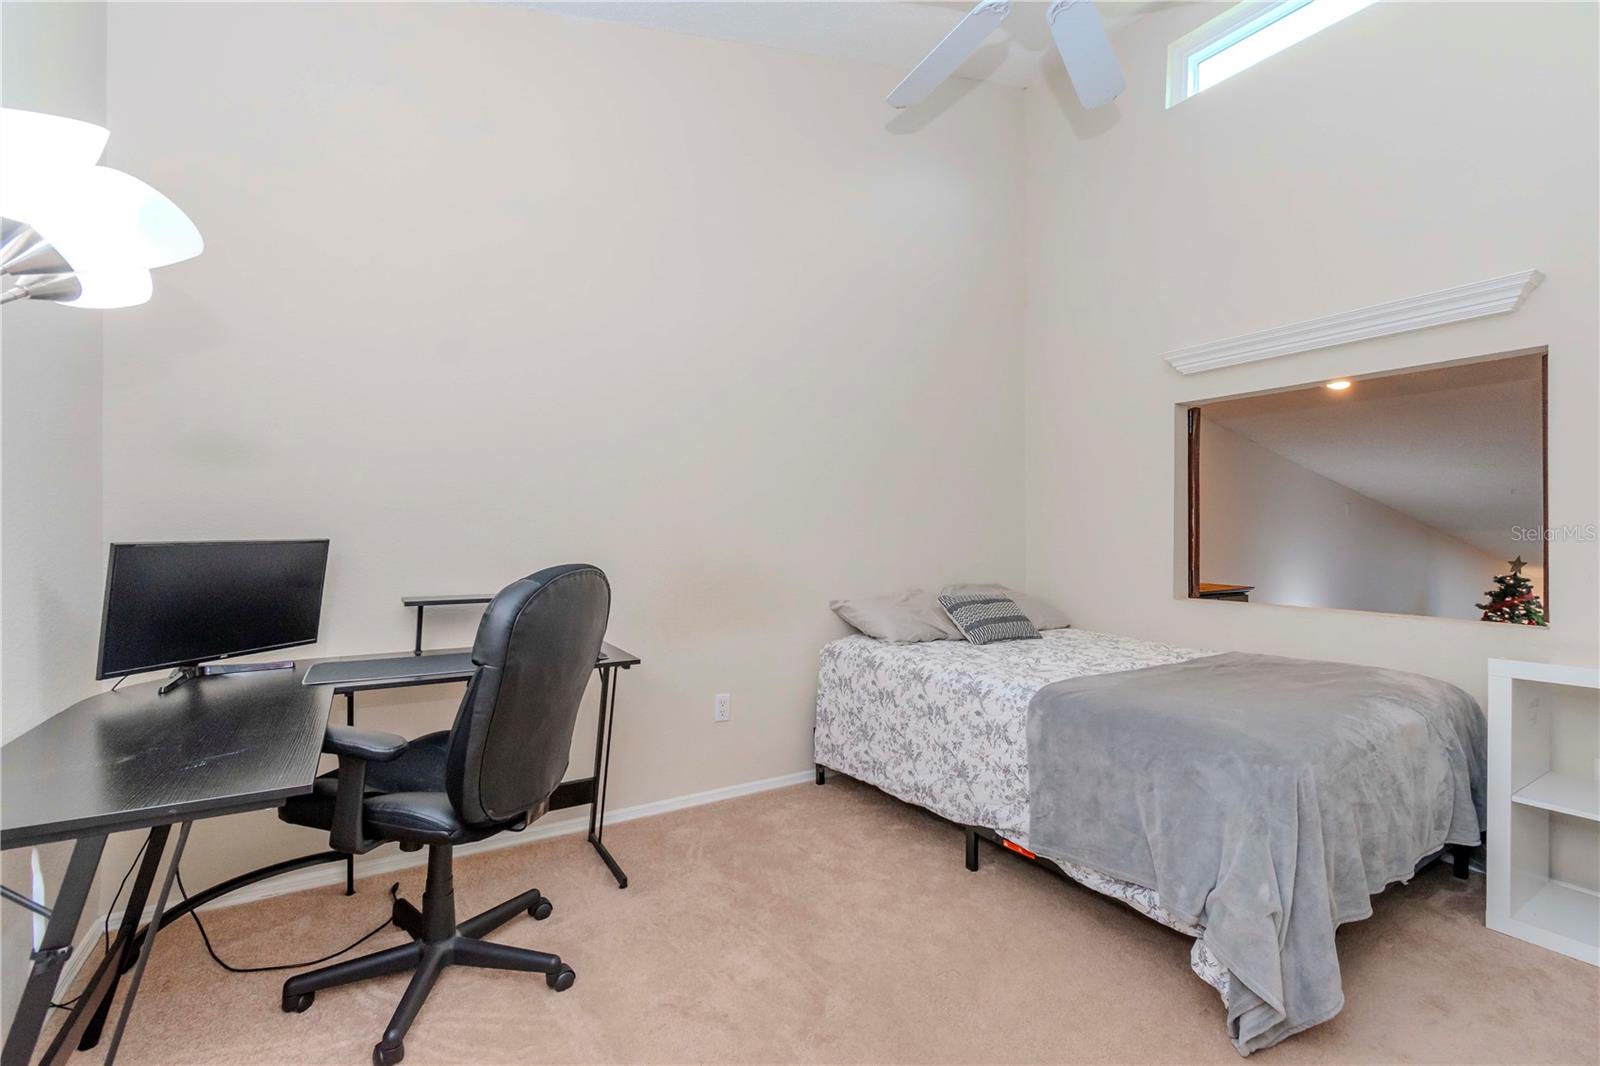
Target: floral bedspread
943 724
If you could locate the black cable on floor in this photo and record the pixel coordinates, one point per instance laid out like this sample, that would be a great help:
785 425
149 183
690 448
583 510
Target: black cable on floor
281 966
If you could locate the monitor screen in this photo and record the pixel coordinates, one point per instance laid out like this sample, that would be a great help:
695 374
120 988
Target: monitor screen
182 603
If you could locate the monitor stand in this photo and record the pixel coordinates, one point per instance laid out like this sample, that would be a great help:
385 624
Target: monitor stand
194 670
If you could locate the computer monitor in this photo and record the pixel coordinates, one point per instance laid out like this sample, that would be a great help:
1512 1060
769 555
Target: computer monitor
182 604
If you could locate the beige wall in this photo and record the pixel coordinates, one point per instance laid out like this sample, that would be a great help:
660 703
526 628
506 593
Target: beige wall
486 289
52 59
1409 148
1305 540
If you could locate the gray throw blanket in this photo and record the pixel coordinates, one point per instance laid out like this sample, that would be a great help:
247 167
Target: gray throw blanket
1264 799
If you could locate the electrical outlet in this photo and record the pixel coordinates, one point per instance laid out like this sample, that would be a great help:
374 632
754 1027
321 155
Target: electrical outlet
722 707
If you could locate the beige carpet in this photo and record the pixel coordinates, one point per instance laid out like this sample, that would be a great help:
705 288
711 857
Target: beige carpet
838 925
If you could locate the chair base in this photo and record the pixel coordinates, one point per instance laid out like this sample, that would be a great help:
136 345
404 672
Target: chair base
436 942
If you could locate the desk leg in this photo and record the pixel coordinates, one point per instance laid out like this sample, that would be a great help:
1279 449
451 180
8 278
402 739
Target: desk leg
148 945
602 772
102 988
599 748
350 720
54 948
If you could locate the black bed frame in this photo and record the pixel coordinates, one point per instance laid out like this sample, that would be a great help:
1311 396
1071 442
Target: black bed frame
1460 854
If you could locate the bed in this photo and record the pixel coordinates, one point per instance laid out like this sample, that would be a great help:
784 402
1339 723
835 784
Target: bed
946 725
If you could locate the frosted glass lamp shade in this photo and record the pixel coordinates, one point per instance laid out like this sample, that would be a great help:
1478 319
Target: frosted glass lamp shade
114 287
100 215
34 141
97 217
77 233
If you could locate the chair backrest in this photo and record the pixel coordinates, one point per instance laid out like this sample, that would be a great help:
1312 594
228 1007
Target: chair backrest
535 649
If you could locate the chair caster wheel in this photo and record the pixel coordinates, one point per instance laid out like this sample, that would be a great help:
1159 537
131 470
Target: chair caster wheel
541 910
388 1054
562 979
298 1004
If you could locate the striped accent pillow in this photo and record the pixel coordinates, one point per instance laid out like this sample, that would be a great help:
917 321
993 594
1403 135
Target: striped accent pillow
987 618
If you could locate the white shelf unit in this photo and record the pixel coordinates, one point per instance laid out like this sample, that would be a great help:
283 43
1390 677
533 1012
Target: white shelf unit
1544 805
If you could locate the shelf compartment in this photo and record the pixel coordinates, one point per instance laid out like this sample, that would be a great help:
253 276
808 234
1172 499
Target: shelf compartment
1563 794
1563 909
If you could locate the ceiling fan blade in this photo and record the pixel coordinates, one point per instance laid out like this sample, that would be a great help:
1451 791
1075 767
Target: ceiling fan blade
1081 39
956 48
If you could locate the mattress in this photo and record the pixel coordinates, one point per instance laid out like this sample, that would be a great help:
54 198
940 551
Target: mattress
943 724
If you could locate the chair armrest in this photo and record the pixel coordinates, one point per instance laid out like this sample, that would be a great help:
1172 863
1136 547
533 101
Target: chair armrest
368 745
355 748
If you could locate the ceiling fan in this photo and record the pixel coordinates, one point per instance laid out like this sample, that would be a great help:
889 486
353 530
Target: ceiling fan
1075 26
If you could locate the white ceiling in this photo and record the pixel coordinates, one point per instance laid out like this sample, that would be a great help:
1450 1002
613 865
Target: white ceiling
893 33
1460 449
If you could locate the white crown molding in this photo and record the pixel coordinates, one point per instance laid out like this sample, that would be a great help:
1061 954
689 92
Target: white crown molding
391 860
1497 296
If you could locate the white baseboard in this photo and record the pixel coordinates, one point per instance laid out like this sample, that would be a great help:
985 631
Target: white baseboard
333 873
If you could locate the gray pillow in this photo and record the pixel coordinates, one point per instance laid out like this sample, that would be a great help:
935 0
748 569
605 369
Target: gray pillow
985 618
1040 613
899 617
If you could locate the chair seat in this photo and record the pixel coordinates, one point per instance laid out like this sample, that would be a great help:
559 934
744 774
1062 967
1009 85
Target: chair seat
405 799
424 817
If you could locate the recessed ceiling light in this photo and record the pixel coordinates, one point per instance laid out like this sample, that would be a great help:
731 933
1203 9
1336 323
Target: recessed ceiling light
1338 386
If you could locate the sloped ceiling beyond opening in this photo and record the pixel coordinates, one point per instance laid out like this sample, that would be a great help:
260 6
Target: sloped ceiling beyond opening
1460 448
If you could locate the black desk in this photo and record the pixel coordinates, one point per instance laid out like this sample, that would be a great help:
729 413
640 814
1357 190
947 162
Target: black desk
350 675
363 674
218 745
132 759
422 603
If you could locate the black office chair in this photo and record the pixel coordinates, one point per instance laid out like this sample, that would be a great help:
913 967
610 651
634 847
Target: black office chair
493 770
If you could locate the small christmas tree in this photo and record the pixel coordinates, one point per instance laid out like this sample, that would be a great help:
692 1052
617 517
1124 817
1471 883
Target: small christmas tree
1512 599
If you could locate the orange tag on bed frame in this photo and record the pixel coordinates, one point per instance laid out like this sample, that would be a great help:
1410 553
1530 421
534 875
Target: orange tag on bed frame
1018 848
